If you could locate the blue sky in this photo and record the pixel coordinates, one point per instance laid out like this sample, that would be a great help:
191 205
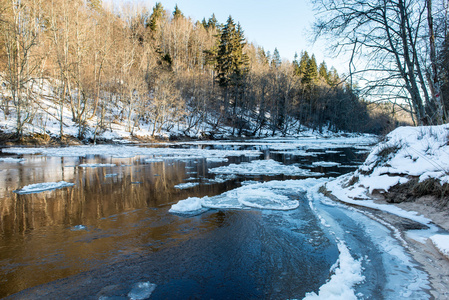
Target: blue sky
282 24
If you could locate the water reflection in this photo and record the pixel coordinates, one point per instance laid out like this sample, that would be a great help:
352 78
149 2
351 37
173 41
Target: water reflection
123 215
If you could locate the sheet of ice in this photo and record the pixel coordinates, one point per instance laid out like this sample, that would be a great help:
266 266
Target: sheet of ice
263 167
141 290
299 153
187 185
325 164
12 160
347 272
217 159
96 165
188 205
404 278
441 242
153 160
41 187
273 195
131 151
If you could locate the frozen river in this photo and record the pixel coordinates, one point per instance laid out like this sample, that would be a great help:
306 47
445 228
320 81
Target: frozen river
222 220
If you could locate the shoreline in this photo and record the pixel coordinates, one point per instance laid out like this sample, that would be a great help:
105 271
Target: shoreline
429 258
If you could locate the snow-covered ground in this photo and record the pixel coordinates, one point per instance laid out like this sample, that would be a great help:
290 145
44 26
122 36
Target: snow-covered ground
405 153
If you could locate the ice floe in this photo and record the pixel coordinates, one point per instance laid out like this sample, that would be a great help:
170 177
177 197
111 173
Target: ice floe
41 187
191 204
132 151
141 290
263 167
273 195
187 185
96 165
325 164
12 160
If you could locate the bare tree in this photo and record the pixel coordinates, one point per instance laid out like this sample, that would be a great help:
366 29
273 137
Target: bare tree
386 46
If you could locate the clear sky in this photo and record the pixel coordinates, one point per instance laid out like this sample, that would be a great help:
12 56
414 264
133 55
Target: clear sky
282 24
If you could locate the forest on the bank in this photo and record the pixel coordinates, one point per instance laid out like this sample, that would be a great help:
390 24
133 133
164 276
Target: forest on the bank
159 68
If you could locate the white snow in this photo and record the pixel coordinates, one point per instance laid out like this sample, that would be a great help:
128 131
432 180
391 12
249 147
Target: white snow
347 272
420 152
141 290
263 167
40 187
441 242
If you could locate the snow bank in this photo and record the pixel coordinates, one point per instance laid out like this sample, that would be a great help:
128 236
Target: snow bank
41 187
410 151
347 272
263 167
420 152
441 242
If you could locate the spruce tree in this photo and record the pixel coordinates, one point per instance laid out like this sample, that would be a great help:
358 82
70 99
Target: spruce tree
177 13
323 73
303 63
232 62
156 16
311 72
276 59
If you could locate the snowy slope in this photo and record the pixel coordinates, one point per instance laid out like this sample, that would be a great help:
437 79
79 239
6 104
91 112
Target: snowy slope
406 153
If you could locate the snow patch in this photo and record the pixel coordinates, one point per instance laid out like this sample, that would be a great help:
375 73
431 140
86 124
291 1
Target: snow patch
441 242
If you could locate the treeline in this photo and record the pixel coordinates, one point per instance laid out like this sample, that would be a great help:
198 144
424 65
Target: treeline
161 69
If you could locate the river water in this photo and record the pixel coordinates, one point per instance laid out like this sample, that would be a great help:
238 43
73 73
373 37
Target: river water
112 229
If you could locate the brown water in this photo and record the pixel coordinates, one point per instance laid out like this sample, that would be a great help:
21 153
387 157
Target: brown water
117 230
